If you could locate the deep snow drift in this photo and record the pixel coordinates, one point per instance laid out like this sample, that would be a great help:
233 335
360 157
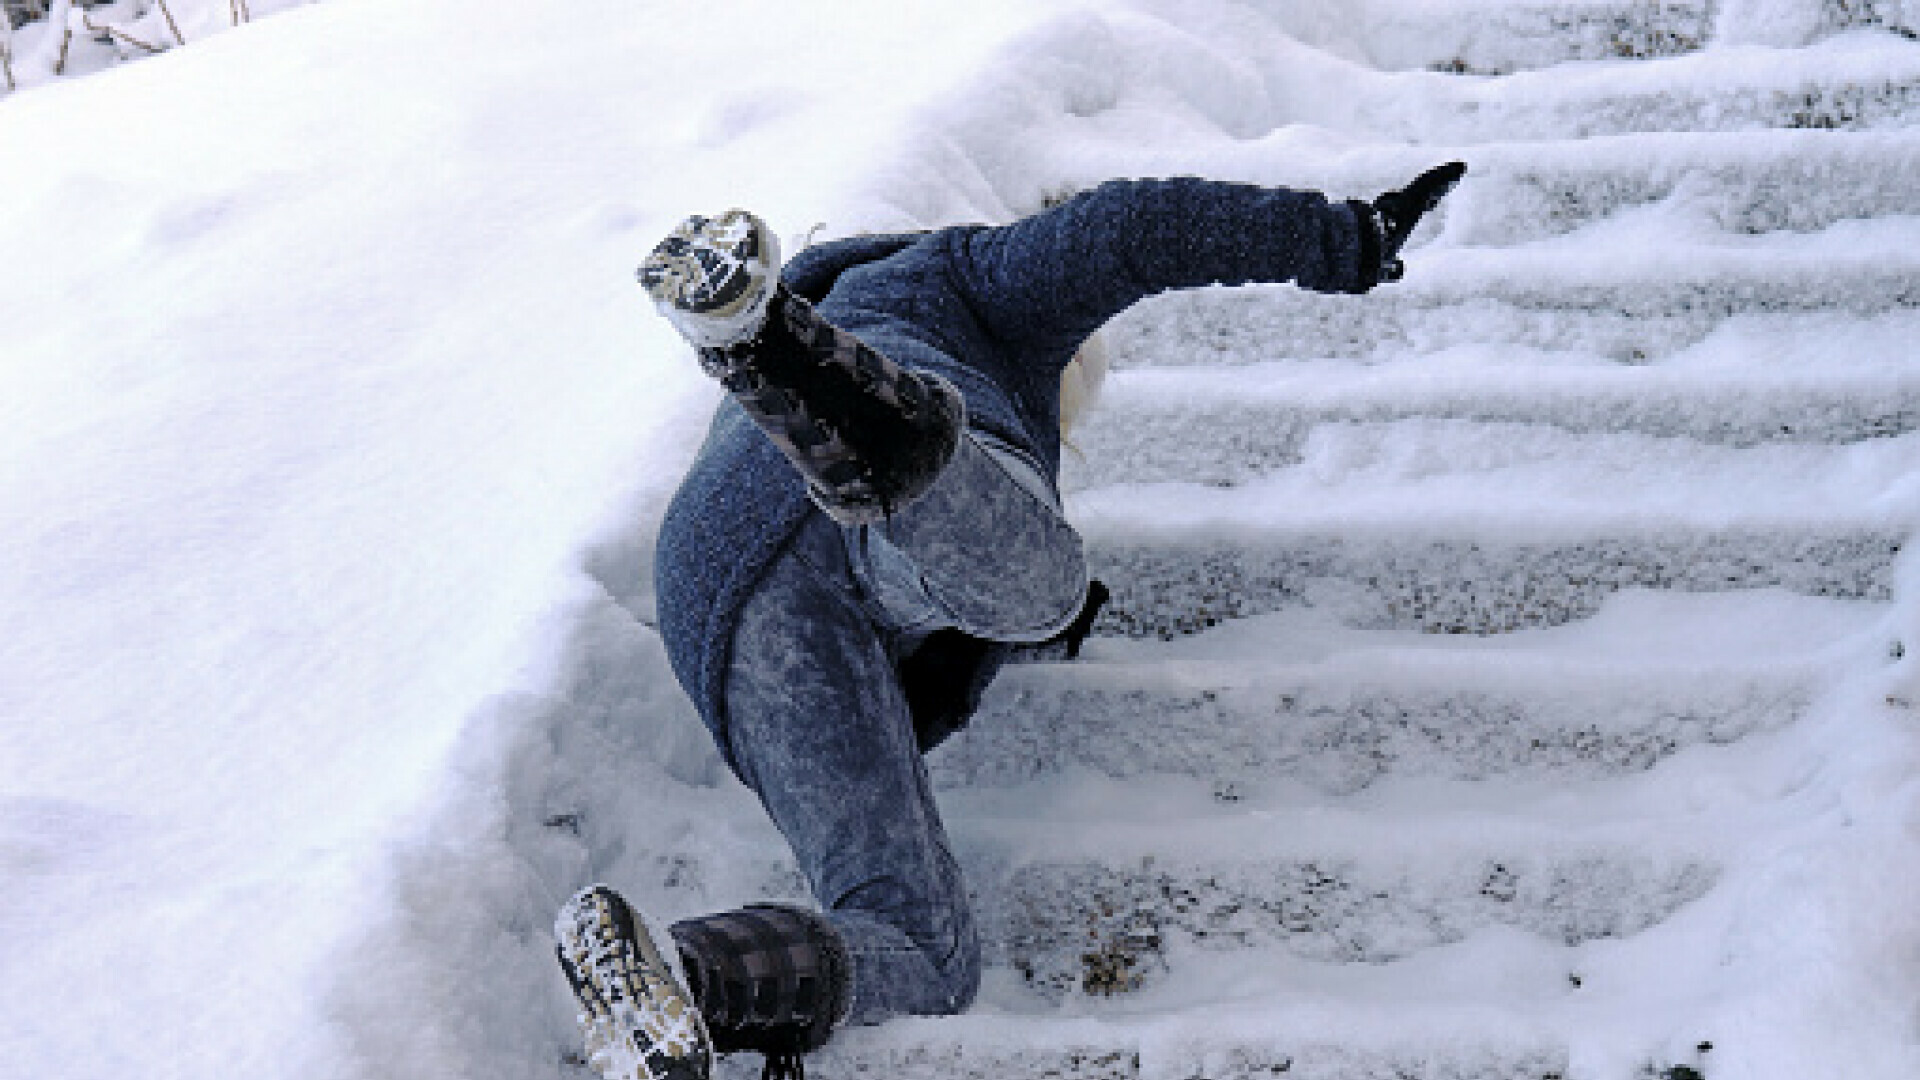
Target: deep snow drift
324 369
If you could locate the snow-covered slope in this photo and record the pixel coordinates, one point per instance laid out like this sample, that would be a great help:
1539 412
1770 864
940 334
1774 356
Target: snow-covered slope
1506 673
321 372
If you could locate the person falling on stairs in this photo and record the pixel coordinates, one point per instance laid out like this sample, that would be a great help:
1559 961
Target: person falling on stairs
871 527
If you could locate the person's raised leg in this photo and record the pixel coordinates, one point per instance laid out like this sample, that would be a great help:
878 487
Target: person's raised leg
949 527
867 435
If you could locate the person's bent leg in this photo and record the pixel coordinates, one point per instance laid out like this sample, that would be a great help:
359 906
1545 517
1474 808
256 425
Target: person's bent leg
818 727
815 722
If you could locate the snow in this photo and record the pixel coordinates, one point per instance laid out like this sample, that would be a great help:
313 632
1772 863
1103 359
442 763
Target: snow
333 433
317 394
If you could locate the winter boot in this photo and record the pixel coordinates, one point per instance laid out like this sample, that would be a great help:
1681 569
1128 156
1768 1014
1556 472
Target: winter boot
769 978
639 1021
867 435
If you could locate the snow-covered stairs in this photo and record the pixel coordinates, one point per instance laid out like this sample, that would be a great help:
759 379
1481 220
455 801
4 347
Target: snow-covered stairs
1445 618
1335 719
1844 83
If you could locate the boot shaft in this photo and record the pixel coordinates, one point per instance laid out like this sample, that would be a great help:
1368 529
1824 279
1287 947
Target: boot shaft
768 977
867 435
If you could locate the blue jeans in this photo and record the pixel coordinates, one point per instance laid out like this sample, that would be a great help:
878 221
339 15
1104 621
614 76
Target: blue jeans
818 726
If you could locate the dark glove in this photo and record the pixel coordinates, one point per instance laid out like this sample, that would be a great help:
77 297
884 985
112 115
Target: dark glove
1394 214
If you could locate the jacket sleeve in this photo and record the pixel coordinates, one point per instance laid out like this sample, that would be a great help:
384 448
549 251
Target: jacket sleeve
1055 277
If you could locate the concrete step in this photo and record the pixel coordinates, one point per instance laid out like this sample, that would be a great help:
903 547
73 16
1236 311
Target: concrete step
1455 527
1072 897
1632 305
1473 581
1230 425
1737 182
1486 38
1315 1039
1493 37
1299 699
1079 906
1849 82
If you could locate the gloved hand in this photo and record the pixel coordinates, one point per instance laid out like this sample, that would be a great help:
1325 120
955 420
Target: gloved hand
1397 212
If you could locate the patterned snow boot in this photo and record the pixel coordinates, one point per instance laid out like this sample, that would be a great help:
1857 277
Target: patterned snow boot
867 435
769 978
639 1021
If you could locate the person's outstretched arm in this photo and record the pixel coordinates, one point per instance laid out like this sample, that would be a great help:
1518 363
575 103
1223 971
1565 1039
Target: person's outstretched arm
1063 272
1056 276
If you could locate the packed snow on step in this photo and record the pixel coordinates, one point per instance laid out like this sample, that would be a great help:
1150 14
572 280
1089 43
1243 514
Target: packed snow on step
335 431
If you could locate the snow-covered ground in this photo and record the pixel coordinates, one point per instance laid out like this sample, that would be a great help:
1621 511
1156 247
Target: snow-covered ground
1559 722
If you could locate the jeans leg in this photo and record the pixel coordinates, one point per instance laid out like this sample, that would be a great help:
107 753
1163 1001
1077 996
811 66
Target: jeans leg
819 729
985 549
